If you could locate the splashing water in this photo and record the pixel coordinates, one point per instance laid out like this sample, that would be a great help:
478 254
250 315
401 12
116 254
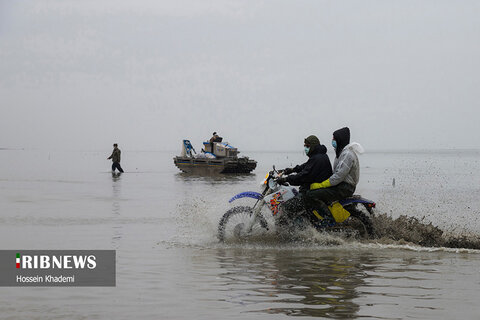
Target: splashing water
198 227
412 230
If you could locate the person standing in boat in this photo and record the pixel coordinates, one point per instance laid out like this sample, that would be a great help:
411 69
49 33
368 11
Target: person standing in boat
116 158
214 138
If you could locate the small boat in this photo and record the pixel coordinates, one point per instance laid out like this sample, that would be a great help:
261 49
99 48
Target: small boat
216 157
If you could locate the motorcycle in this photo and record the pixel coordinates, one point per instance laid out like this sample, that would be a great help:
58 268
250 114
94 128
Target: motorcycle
352 216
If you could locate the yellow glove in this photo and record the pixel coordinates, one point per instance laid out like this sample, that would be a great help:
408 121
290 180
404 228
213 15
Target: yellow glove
324 184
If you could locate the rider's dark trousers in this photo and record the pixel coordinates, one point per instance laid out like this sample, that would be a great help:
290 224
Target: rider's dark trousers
319 198
116 165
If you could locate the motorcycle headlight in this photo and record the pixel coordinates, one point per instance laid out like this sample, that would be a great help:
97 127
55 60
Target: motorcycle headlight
272 184
264 182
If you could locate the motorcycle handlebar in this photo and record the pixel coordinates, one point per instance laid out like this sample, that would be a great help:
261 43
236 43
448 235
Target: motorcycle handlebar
275 174
283 184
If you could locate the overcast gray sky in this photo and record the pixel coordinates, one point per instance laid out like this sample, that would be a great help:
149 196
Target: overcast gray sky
264 74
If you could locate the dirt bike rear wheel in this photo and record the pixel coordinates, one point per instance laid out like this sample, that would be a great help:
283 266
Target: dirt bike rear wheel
232 225
359 221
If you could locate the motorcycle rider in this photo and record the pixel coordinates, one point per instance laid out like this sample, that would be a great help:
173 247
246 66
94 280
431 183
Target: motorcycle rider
316 169
346 173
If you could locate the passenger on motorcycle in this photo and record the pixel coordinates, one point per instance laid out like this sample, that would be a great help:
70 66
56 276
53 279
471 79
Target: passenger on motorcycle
346 173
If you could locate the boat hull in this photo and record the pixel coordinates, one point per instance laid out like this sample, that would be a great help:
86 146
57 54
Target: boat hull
213 166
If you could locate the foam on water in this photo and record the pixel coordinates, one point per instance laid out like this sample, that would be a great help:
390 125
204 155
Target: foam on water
412 247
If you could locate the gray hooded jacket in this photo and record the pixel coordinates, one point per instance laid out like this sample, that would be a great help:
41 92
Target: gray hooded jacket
346 168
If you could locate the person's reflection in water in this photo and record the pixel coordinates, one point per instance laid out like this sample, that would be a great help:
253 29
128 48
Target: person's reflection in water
116 192
297 282
116 176
116 195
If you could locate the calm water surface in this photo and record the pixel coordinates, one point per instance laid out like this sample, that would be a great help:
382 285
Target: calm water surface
170 266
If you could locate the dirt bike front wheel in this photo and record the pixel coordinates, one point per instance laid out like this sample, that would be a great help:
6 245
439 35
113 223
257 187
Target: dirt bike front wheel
234 224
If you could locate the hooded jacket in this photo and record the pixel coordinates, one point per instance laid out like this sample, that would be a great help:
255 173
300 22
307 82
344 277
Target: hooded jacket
342 136
316 169
346 167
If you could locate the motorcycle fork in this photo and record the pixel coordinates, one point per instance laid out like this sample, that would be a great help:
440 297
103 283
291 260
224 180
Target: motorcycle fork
257 208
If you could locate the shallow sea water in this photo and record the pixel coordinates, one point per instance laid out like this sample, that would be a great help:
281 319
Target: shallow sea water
170 266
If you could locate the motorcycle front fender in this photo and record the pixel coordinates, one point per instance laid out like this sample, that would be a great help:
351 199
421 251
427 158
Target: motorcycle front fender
247 194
